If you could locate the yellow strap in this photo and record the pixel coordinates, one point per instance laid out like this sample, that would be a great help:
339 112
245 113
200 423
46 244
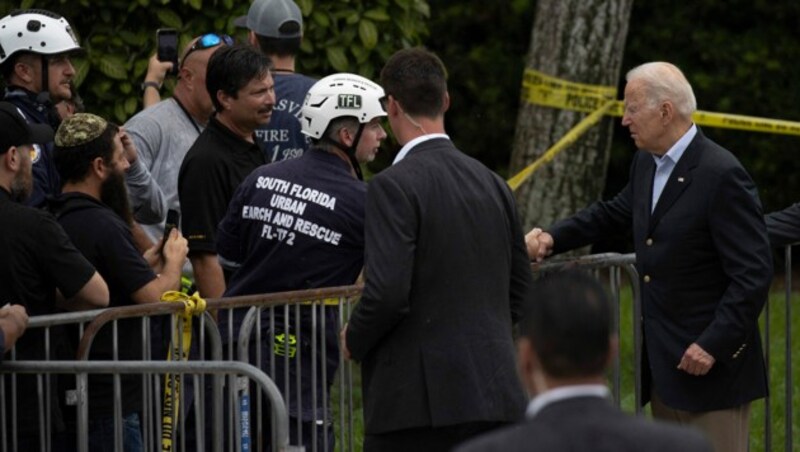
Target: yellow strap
193 305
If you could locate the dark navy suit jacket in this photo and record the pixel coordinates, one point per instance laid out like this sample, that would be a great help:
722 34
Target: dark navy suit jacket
705 268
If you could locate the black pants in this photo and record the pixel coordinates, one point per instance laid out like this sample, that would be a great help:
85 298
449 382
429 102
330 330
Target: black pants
427 439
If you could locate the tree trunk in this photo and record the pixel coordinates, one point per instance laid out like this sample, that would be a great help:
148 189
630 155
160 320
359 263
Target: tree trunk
580 41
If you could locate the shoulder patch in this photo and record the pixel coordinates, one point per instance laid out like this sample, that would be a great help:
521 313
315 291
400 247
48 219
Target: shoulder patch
36 153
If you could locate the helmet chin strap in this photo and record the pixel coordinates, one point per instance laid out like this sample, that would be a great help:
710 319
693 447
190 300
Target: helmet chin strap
44 95
351 151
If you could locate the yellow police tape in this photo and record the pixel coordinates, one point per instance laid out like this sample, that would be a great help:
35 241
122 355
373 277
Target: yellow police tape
193 305
541 89
548 91
565 141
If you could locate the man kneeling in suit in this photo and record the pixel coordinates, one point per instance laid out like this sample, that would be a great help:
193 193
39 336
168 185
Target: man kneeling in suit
566 344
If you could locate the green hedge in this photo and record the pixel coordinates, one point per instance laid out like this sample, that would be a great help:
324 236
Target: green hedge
119 36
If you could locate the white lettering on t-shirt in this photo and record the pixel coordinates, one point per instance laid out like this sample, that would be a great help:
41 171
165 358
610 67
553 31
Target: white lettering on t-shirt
287 204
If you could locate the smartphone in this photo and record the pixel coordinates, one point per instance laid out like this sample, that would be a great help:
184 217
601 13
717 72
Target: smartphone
173 217
167 42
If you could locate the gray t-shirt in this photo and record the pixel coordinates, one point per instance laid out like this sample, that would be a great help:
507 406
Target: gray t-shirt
163 134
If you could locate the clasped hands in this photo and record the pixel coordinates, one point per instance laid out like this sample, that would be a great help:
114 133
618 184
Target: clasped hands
539 244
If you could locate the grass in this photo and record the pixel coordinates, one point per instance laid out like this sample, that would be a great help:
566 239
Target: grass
767 433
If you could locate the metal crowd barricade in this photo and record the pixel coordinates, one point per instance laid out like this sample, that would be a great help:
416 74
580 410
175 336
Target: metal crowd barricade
217 368
303 314
209 340
615 264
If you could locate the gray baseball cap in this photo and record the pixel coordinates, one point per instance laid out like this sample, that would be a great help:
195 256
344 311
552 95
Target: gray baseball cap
273 19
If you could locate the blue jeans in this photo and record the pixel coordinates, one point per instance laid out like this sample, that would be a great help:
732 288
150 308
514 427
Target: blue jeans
101 434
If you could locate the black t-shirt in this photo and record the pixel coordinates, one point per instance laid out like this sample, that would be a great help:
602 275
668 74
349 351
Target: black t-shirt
214 166
37 257
106 241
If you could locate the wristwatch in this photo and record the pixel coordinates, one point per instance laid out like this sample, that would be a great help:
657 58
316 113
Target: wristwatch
150 84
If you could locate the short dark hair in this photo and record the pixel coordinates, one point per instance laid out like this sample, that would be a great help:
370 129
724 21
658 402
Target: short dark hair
73 162
231 68
7 68
281 47
569 324
417 79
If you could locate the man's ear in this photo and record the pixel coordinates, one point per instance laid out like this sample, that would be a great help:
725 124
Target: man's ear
99 168
446 102
252 39
393 107
667 112
224 100
613 350
345 137
11 159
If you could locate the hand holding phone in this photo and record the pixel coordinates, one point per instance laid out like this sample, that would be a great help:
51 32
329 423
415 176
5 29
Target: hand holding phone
167 40
173 217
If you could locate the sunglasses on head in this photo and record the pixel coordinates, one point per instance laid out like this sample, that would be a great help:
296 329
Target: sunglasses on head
207 41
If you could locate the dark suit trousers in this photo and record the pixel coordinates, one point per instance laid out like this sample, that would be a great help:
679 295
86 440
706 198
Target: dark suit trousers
428 439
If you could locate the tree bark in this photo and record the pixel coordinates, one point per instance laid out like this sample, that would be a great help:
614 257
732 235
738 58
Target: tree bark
580 41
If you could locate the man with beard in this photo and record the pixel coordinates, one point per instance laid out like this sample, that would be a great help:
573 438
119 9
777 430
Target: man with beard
94 210
37 259
240 84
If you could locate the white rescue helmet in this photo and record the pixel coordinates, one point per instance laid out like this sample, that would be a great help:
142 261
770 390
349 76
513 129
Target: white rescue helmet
340 95
35 31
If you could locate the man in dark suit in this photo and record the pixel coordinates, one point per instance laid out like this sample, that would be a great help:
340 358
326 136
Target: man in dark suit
702 254
566 345
446 275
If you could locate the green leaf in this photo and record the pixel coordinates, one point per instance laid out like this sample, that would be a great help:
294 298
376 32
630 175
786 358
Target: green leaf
112 66
368 33
26 4
196 4
305 6
423 8
169 18
119 112
405 4
131 104
337 58
376 14
81 70
321 19
144 2
352 18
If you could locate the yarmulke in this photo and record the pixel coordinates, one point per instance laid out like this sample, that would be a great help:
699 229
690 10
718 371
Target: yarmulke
79 129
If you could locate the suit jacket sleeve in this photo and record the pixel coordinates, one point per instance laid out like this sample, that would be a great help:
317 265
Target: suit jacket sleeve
737 228
783 226
521 273
597 221
390 229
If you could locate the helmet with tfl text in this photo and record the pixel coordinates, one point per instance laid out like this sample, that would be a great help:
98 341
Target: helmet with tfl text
340 95
35 31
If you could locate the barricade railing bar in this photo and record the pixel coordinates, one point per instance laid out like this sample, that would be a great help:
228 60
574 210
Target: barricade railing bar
280 437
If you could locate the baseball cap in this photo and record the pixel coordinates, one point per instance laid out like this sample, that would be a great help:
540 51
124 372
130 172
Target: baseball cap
273 19
16 131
